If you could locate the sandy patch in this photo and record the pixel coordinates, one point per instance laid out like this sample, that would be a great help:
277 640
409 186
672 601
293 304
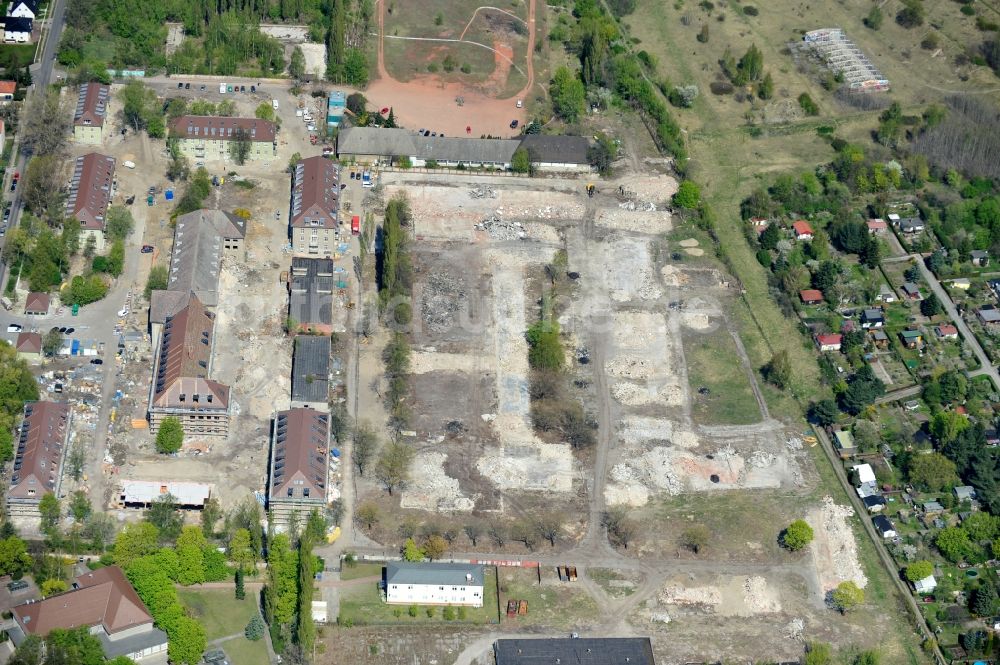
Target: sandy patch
688 242
634 495
673 276
730 596
630 367
431 489
650 222
629 272
634 394
834 550
638 330
530 466
696 321
424 361
694 251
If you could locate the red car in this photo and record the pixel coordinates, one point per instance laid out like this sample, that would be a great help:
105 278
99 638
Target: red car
384 111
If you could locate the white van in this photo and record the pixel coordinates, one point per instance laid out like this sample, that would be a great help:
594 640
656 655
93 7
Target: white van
274 104
128 164
222 88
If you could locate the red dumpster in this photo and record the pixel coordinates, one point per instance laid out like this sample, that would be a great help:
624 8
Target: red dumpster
355 225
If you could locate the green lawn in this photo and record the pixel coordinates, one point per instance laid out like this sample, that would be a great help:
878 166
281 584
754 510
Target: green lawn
23 53
244 652
364 605
713 363
360 570
553 604
218 611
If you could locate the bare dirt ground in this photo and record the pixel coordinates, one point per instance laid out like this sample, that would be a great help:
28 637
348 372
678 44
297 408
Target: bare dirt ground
430 102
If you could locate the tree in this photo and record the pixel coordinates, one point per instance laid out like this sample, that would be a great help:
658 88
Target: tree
305 633
521 161
210 514
549 526
255 629
779 370
695 537
847 596
911 15
40 189
765 89
985 599
919 570
281 593
50 511
165 515
751 66
981 526
52 342
140 109
365 447
79 506
703 33
435 547
932 471
53 586
568 94
187 642
297 64
368 515
240 146
356 103
45 124
119 223
134 541
393 467
191 546
240 552
931 306
265 111
953 543
412 551
621 529
473 530
797 535
239 590
14 557
170 436
688 195
874 18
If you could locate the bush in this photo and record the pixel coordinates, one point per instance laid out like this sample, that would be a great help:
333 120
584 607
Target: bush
968 10
448 613
170 436
255 629
919 570
430 612
797 535
545 350
412 610
750 10
808 105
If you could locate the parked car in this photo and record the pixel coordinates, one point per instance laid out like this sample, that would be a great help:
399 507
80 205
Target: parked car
513 124
520 103
70 331
202 88
96 361
146 249
243 88
179 85
13 327
253 88
187 86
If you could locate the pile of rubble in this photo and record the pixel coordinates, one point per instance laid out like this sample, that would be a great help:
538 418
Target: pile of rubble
484 192
500 229
441 298
643 206
758 597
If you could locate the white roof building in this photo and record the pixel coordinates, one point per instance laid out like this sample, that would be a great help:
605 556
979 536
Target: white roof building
925 585
865 473
144 492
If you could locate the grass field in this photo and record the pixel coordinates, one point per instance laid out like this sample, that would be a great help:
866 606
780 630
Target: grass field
244 652
364 605
713 363
24 54
359 570
614 583
552 604
218 611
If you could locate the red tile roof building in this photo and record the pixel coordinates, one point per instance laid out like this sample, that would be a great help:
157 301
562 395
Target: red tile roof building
299 464
104 601
811 296
830 342
206 137
181 387
91 112
803 231
37 303
7 90
90 196
315 194
38 456
29 343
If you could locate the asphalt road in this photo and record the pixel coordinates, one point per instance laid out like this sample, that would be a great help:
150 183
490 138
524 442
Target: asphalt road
41 75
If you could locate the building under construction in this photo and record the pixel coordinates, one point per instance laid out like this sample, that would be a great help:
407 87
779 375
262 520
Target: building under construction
842 56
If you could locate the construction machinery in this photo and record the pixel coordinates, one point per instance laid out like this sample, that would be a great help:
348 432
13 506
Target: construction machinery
590 190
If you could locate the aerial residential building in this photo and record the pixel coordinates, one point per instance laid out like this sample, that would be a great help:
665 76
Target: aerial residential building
829 342
377 145
884 526
979 257
988 315
23 9
89 196
7 90
310 298
433 584
91 113
549 152
29 346
947 332
872 317
877 226
811 296
103 601
311 372
203 137
911 291
201 239
802 230
38 457
299 464
17 30
313 219
180 387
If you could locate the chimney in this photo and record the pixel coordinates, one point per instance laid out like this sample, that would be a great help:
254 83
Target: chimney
468 577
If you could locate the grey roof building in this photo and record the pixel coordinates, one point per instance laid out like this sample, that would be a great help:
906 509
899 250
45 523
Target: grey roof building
200 238
310 301
557 152
377 144
403 572
311 371
570 651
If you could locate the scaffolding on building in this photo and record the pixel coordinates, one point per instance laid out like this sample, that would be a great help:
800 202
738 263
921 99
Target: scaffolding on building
842 56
